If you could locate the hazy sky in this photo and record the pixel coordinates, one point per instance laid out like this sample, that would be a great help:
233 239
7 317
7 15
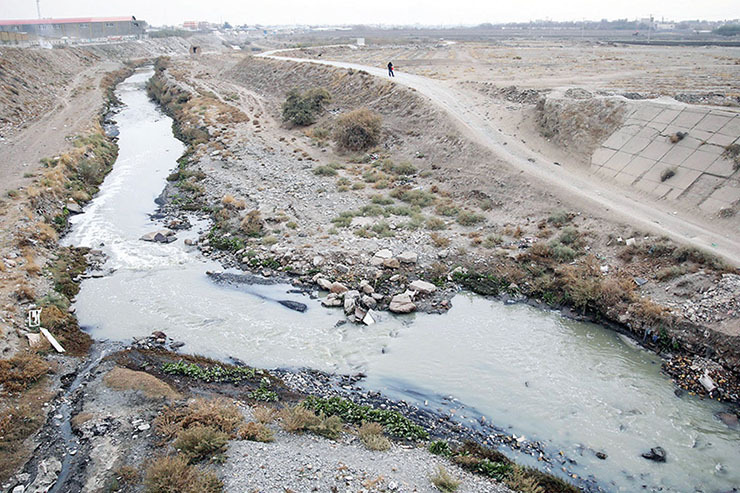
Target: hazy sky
373 11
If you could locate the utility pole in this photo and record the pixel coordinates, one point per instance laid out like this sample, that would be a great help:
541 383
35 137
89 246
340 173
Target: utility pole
38 8
650 27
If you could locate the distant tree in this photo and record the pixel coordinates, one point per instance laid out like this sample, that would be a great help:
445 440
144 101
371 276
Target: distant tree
728 30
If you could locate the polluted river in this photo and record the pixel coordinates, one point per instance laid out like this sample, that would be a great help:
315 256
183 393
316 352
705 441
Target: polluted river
576 387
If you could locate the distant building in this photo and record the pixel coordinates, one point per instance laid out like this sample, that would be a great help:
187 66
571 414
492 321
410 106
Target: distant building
80 28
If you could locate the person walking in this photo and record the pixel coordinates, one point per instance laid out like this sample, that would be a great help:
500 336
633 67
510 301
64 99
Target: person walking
390 69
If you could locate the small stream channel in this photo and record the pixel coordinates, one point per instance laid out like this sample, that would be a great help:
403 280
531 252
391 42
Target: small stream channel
576 387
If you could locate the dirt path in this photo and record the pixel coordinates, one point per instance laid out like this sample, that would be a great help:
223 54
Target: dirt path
47 136
577 189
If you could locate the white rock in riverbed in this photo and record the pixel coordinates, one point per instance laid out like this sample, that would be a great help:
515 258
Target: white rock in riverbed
401 303
422 287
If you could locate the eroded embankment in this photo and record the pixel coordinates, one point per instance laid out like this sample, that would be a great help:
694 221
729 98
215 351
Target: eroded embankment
559 258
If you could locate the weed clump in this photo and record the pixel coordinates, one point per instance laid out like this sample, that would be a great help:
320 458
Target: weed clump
256 432
231 202
371 435
440 447
302 108
22 371
252 224
444 481
219 414
358 130
199 443
173 474
215 373
466 218
559 217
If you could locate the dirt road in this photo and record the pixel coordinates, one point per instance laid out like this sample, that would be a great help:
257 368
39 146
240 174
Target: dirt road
577 189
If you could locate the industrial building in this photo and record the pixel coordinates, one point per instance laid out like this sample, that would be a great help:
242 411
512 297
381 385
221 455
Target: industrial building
85 28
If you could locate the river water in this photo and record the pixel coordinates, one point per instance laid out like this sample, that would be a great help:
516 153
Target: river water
577 387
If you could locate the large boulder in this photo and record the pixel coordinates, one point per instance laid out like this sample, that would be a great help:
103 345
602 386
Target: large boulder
324 283
338 288
422 287
161 236
381 256
402 303
408 257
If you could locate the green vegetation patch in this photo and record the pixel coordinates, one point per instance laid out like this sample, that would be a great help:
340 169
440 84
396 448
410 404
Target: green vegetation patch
216 373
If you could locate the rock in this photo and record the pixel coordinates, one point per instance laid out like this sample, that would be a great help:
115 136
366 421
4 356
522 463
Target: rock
338 288
368 319
408 257
368 301
381 256
391 263
640 281
189 242
729 419
158 334
33 339
359 313
352 293
423 287
294 305
349 305
401 303
601 455
656 454
161 236
707 382
629 241
73 207
143 427
318 261
324 284
443 254
366 287
331 301
48 471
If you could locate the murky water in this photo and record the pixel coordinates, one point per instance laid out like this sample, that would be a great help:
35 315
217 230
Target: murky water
577 387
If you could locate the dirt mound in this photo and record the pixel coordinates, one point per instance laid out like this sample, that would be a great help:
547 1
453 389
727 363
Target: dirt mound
579 124
413 127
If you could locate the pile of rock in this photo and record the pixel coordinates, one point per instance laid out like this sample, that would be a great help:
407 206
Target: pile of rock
718 303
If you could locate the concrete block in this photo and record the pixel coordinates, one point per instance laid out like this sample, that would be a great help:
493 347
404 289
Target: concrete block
729 192
638 166
701 135
646 112
601 156
676 155
605 172
688 118
690 141
722 167
618 139
699 160
625 178
619 160
648 132
656 149
713 122
683 178
674 194
635 145
721 140
662 190
731 128
713 206
646 185
667 116
654 173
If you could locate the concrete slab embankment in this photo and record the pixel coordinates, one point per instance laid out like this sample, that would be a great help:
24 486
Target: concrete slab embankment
694 171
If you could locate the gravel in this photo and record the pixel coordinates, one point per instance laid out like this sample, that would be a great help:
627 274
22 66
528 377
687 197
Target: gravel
303 463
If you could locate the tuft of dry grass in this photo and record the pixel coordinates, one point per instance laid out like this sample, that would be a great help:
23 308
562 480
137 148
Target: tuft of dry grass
231 202
444 481
264 414
256 432
371 436
153 388
297 419
173 474
21 371
217 413
252 224
439 240
199 443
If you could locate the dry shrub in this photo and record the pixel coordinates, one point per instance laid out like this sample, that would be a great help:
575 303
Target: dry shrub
264 414
297 418
31 266
127 475
45 233
358 130
371 435
231 202
256 432
173 474
650 312
520 481
198 442
24 292
217 413
439 240
21 371
444 481
152 387
252 223
80 419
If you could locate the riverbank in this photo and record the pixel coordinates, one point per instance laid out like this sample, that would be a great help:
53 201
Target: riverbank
323 216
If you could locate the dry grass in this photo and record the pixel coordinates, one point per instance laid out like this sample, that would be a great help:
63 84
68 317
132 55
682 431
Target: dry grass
24 292
264 414
256 432
230 202
32 268
199 443
252 224
297 418
371 436
220 414
174 475
45 233
444 481
22 371
358 130
439 240
152 387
